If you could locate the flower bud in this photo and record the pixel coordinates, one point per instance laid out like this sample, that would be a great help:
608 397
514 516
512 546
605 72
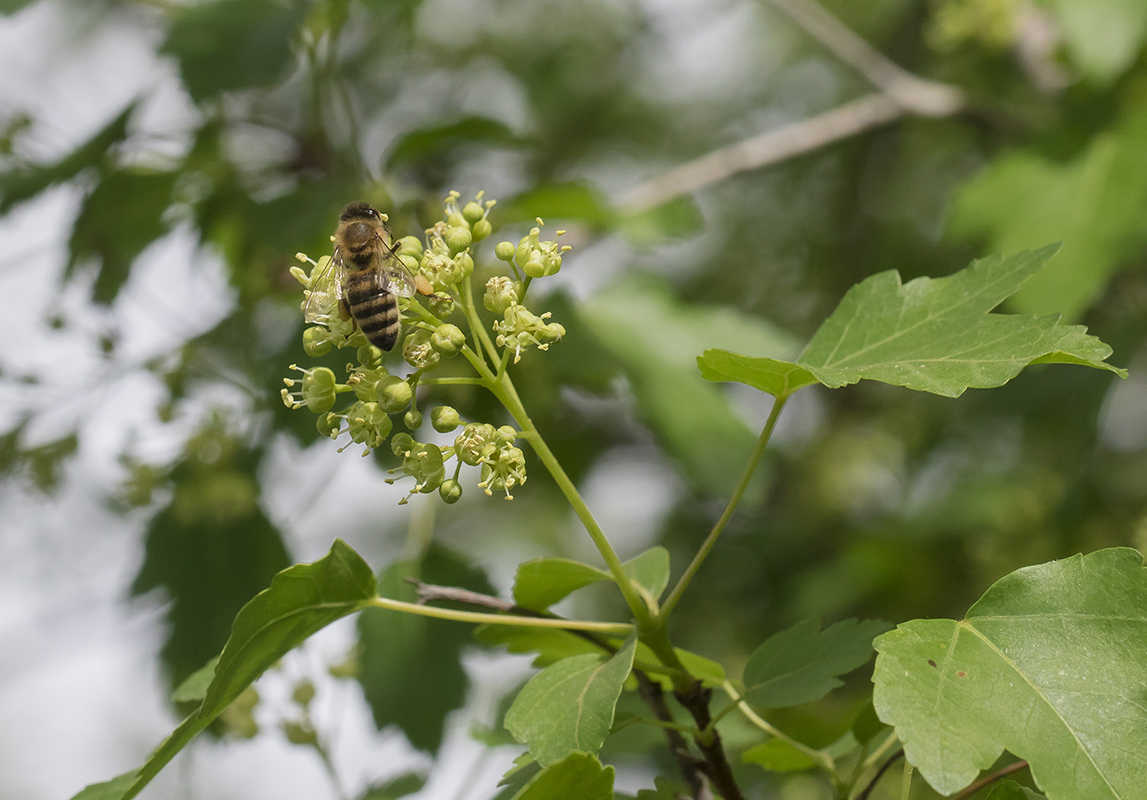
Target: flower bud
473 212
481 229
370 357
458 239
505 251
410 246
448 340
401 444
450 491
505 435
316 342
445 419
455 219
394 394
412 419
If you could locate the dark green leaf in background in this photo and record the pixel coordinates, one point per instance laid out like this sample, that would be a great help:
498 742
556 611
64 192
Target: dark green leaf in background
568 707
1096 203
656 339
224 45
777 755
122 216
431 144
211 550
403 785
804 663
411 671
1048 665
24 183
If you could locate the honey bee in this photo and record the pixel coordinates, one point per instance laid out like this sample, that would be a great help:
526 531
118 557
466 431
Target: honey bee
368 276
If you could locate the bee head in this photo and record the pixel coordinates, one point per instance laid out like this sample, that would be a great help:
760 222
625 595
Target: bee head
359 224
360 211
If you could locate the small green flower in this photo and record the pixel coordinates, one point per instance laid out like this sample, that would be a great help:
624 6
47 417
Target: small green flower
318 390
536 258
505 470
520 329
368 424
501 293
475 442
418 351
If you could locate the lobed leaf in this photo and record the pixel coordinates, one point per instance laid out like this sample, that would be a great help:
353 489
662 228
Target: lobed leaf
568 707
931 334
301 600
804 663
1048 664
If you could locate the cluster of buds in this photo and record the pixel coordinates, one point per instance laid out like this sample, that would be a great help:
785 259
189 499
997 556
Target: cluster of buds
441 264
535 258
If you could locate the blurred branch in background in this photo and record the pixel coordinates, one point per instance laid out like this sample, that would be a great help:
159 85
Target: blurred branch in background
900 93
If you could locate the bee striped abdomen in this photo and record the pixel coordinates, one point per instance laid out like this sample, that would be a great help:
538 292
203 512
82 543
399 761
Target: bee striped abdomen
374 309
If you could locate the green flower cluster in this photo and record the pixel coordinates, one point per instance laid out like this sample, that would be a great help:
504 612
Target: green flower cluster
440 322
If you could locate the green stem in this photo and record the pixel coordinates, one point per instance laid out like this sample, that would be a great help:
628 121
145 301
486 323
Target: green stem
695 565
477 330
615 628
459 381
818 756
906 781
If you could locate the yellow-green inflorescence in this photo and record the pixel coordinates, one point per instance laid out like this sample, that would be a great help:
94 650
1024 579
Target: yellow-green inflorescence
435 329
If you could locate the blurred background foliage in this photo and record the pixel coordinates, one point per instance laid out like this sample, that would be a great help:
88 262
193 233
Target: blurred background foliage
266 116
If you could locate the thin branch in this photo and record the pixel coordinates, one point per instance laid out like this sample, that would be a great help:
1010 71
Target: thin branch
429 591
717 767
923 97
900 93
995 776
879 774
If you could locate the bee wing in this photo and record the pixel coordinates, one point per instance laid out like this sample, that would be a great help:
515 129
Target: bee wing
326 291
392 276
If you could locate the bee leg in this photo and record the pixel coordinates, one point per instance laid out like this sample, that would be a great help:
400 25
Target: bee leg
344 311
